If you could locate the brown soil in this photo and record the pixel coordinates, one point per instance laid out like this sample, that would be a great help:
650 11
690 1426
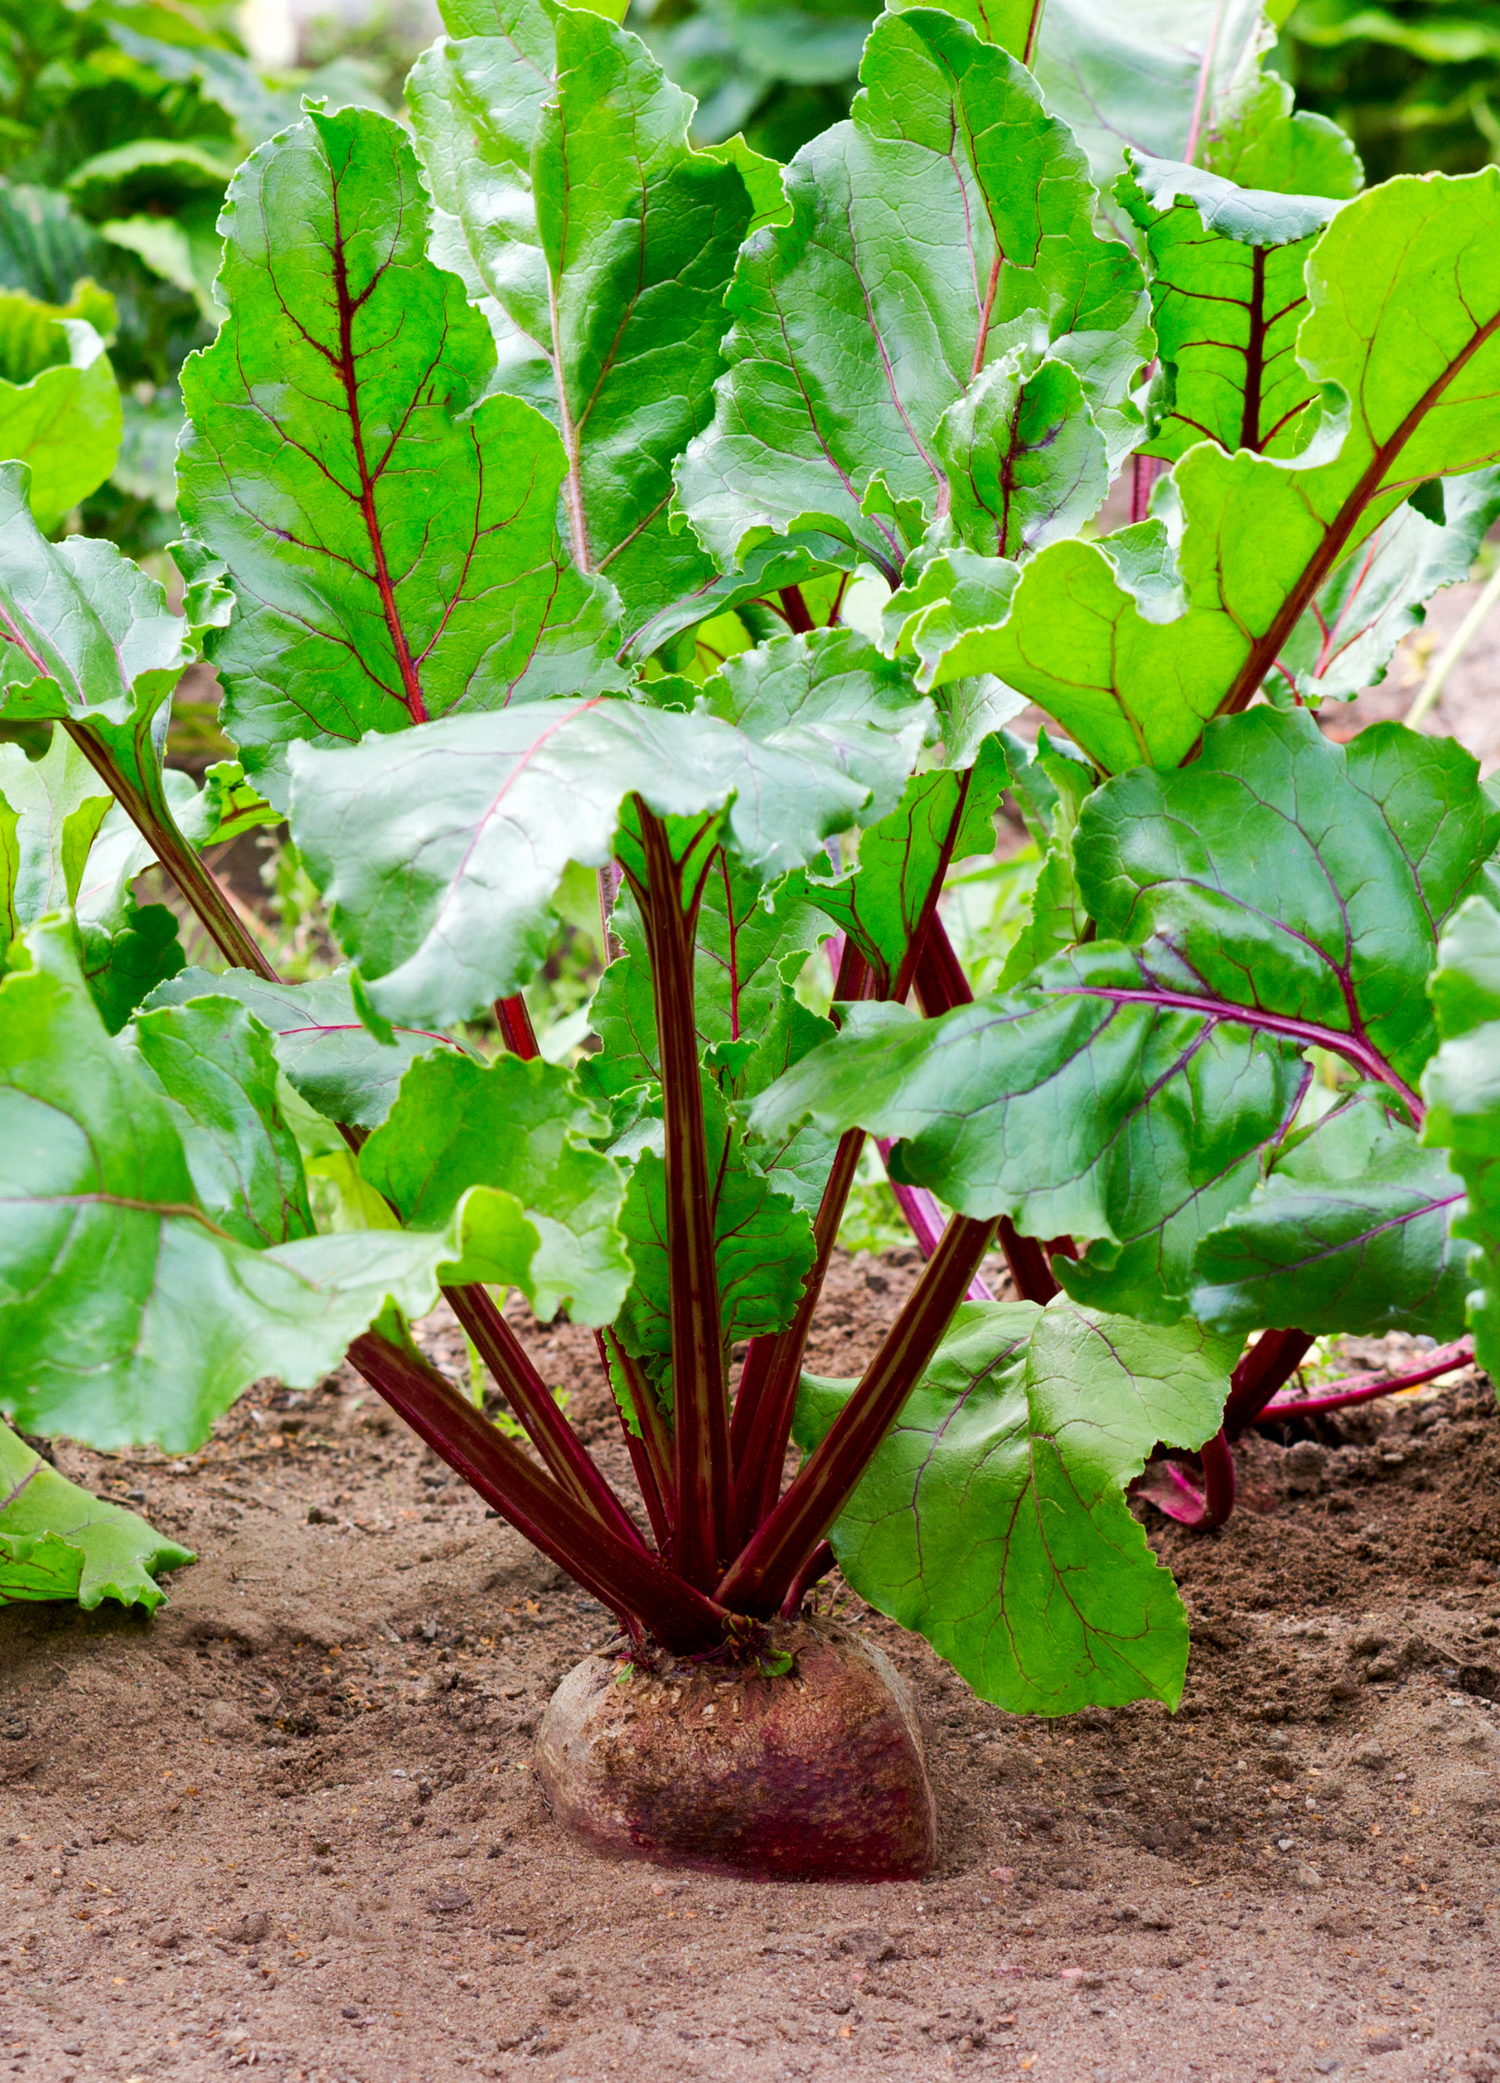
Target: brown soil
291 1824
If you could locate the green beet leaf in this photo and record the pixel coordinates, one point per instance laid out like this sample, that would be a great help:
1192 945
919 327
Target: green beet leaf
1349 1232
604 244
75 848
1303 879
524 1129
1462 1090
439 852
1164 76
1025 463
1279 892
948 222
86 640
1346 638
1404 318
942 818
1052 790
325 1049
214 1064
390 529
59 404
126 1312
1227 298
993 1518
58 1542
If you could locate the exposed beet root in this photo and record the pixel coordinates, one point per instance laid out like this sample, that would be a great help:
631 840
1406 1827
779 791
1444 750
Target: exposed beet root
817 1775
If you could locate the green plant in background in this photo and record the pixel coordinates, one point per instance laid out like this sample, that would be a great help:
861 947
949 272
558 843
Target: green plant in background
1416 83
120 124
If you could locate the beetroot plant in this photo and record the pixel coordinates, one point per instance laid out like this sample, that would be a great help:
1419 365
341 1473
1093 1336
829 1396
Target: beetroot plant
560 500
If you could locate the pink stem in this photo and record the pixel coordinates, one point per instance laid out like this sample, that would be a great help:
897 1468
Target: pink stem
1364 1388
924 1218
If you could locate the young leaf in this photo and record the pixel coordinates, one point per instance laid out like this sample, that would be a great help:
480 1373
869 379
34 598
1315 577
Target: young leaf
606 243
390 529
127 1313
1053 790
58 1542
1404 290
325 1049
993 1518
1462 1090
522 1128
59 404
1025 462
763 1247
1349 1233
86 639
439 853
1227 298
948 221
76 848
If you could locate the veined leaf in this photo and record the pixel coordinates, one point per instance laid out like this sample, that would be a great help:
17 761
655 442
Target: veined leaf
993 1520
58 1542
942 818
949 221
1304 879
1052 790
606 244
1462 1090
322 1045
524 1129
1160 75
1346 638
1404 318
1024 460
1227 298
390 530
1349 1233
439 853
1277 893
85 638
126 1312
214 1064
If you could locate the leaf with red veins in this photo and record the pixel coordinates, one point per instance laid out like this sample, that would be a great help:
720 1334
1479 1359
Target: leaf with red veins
558 156
1279 894
1227 297
1347 637
390 530
948 221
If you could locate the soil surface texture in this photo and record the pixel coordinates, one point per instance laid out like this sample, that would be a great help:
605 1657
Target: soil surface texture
291 1823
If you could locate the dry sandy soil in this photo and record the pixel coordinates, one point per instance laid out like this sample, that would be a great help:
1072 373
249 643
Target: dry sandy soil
290 1823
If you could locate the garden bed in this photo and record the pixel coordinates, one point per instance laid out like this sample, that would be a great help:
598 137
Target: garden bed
292 1824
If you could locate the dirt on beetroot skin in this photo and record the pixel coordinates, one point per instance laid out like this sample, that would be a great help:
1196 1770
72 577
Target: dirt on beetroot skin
291 1824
